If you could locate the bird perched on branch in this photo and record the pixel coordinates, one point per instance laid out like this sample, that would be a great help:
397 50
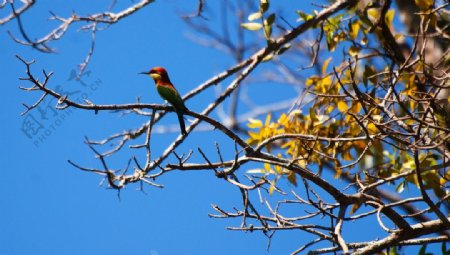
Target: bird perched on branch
168 92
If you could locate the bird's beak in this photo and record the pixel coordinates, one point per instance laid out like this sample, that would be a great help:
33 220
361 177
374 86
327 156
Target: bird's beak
144 73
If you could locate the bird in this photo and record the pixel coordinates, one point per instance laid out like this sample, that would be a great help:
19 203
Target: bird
169 93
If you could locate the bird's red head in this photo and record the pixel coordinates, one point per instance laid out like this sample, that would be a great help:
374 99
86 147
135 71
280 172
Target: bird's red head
158 74
158 70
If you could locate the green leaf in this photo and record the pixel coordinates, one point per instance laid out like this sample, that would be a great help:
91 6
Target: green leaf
422 249
393 251
268 25
263 5
271 19
331 42
253 26
267 58
284 48
400 187
369 71
254 16
336 20
256 171
444 249
304 16
267 31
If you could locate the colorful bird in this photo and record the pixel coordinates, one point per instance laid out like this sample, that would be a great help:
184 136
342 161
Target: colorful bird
168 92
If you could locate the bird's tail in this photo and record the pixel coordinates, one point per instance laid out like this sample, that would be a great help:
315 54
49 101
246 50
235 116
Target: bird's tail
182 124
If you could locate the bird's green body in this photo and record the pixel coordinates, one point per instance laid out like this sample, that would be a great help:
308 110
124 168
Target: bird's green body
168 92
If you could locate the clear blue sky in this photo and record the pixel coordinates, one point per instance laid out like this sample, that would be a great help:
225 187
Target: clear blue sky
49 207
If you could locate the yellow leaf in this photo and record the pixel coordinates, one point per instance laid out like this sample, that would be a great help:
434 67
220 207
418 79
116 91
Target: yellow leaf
278 169
356 107
424 4
389 16
254 139
354 208
342 106
252 26
302 163
364 41
353 51
373 14
311 80
445 179
269 116
399 37
354 29
267 167
433 19
254 136
329 109
377 118
254 123
295 112
283 119
331 41
346 155
372 128
325 65
292 178
369 75
337 173
324 84
272 187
